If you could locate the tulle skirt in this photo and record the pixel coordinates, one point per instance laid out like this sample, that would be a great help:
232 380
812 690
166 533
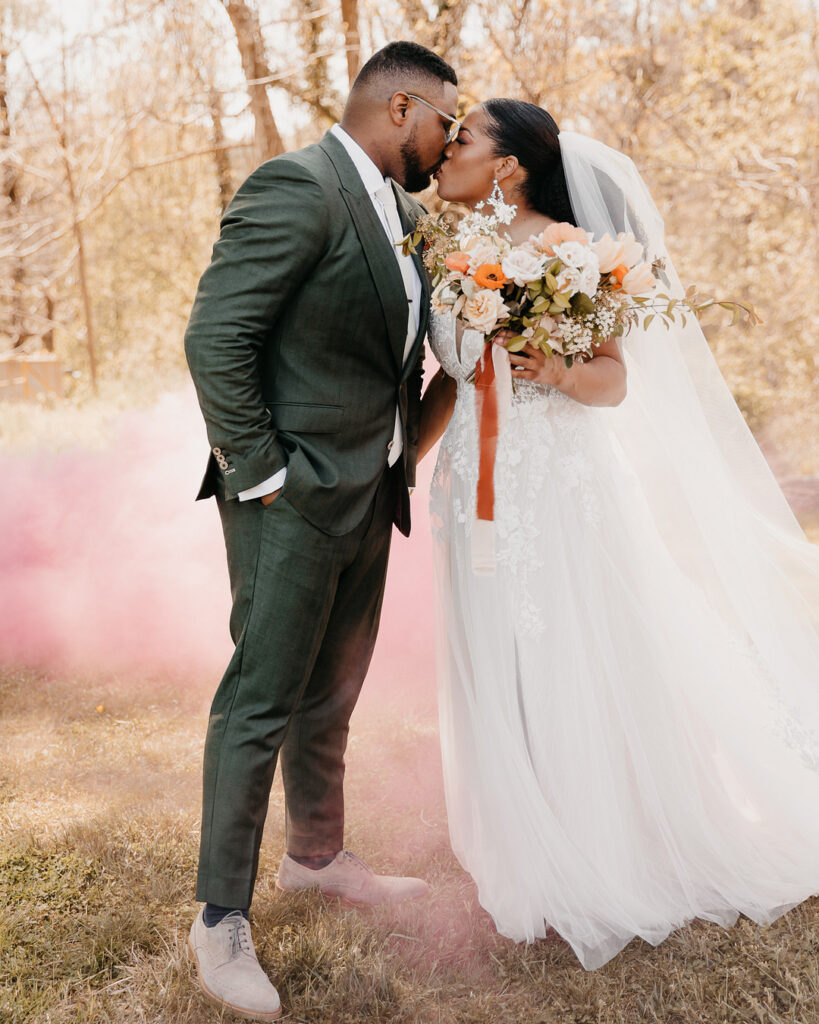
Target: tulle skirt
617 760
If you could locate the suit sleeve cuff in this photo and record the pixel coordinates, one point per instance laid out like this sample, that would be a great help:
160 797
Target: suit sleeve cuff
273 483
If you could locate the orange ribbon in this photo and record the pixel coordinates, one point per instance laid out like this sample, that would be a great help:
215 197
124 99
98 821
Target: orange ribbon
486 408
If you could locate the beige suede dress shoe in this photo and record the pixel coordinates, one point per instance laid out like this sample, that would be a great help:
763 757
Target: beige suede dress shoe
229 972
350 879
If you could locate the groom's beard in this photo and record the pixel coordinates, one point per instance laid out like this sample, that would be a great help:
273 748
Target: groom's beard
416 177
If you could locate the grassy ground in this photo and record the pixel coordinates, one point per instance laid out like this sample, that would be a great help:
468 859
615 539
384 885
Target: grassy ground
99 790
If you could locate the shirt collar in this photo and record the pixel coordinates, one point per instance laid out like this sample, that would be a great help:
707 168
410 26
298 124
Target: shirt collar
370 175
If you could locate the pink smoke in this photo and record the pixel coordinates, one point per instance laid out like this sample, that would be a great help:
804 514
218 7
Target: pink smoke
108 564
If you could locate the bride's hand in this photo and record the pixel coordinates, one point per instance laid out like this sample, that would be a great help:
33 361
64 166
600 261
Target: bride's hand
532 363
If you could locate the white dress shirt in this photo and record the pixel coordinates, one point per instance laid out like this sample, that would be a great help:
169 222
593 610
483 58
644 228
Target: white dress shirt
373 180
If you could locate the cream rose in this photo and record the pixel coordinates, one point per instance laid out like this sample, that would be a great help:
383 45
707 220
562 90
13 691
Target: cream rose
614 252
609 253
484 310
523 265
639 280
480 250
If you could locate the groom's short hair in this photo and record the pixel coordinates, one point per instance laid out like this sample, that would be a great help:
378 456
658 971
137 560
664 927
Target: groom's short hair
402 61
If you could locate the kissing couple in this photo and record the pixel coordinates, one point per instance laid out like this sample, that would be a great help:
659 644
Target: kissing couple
629 691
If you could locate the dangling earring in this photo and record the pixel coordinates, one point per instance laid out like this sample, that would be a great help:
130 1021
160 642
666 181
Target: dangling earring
497 197
503 211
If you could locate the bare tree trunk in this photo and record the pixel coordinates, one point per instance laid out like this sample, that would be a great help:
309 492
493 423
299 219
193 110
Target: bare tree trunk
352 39
48 333
221 157
248 32
318 90
17 324
440 31
76 229
446 28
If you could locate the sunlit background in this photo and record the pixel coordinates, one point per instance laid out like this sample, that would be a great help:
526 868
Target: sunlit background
125 127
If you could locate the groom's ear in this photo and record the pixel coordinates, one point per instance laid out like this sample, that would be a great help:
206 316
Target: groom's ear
399 103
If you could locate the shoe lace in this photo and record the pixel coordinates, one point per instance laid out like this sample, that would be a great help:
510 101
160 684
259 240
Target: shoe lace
239 934
357 861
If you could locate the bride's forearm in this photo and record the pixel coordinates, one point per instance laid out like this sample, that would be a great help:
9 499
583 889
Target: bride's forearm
600 381
436 408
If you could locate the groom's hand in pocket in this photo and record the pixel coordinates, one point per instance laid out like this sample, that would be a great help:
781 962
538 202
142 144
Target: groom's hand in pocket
268 499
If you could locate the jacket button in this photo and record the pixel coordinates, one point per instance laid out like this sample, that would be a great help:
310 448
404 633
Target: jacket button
389 446
217 451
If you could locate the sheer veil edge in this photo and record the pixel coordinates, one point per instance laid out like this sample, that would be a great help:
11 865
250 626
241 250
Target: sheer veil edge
688 452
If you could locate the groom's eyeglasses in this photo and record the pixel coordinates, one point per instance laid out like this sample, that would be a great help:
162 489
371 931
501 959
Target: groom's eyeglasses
452 132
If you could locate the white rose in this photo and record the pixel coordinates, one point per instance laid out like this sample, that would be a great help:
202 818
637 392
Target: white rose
484 310
573 254
639 280
523 265
443 298
589 277
568 280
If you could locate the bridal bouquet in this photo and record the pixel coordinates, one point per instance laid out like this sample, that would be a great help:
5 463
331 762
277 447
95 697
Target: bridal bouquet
560 291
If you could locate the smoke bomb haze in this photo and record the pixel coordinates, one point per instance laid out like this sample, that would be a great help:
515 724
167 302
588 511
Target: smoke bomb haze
109 565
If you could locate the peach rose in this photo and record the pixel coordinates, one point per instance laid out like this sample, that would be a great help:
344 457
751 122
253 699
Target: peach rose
558 233
639 280
458 261
613 251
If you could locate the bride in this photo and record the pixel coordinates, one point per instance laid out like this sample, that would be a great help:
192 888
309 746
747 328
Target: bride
629 702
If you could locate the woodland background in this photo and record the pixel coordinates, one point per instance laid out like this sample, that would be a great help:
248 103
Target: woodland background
126 125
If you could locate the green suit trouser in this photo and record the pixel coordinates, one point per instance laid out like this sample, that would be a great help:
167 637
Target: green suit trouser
305 614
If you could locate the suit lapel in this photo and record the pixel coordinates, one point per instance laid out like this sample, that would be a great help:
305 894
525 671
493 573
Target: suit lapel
382 263
408 222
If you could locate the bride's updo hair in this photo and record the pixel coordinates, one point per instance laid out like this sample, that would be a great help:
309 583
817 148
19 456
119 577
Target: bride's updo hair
528 132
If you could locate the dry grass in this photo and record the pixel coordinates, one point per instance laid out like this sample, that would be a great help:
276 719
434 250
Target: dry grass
98 836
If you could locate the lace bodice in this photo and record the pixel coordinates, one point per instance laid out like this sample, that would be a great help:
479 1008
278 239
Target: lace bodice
545 444
457 360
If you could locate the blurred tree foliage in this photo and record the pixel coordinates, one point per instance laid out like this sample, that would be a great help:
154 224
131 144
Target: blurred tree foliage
122 140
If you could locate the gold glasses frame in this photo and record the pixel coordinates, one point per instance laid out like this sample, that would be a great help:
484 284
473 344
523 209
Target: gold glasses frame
452 134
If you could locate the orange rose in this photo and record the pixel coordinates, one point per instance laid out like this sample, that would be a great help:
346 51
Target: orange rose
490 275
457 261
618 274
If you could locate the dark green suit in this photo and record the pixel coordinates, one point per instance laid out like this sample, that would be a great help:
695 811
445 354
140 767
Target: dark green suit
295 344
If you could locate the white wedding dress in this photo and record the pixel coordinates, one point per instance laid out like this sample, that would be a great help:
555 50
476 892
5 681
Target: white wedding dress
619 756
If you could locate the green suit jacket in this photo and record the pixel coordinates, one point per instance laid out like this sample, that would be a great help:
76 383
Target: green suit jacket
296 341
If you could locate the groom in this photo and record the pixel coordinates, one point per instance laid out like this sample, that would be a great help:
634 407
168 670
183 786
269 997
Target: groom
305 344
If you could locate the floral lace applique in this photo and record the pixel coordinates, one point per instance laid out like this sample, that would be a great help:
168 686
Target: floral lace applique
544 443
